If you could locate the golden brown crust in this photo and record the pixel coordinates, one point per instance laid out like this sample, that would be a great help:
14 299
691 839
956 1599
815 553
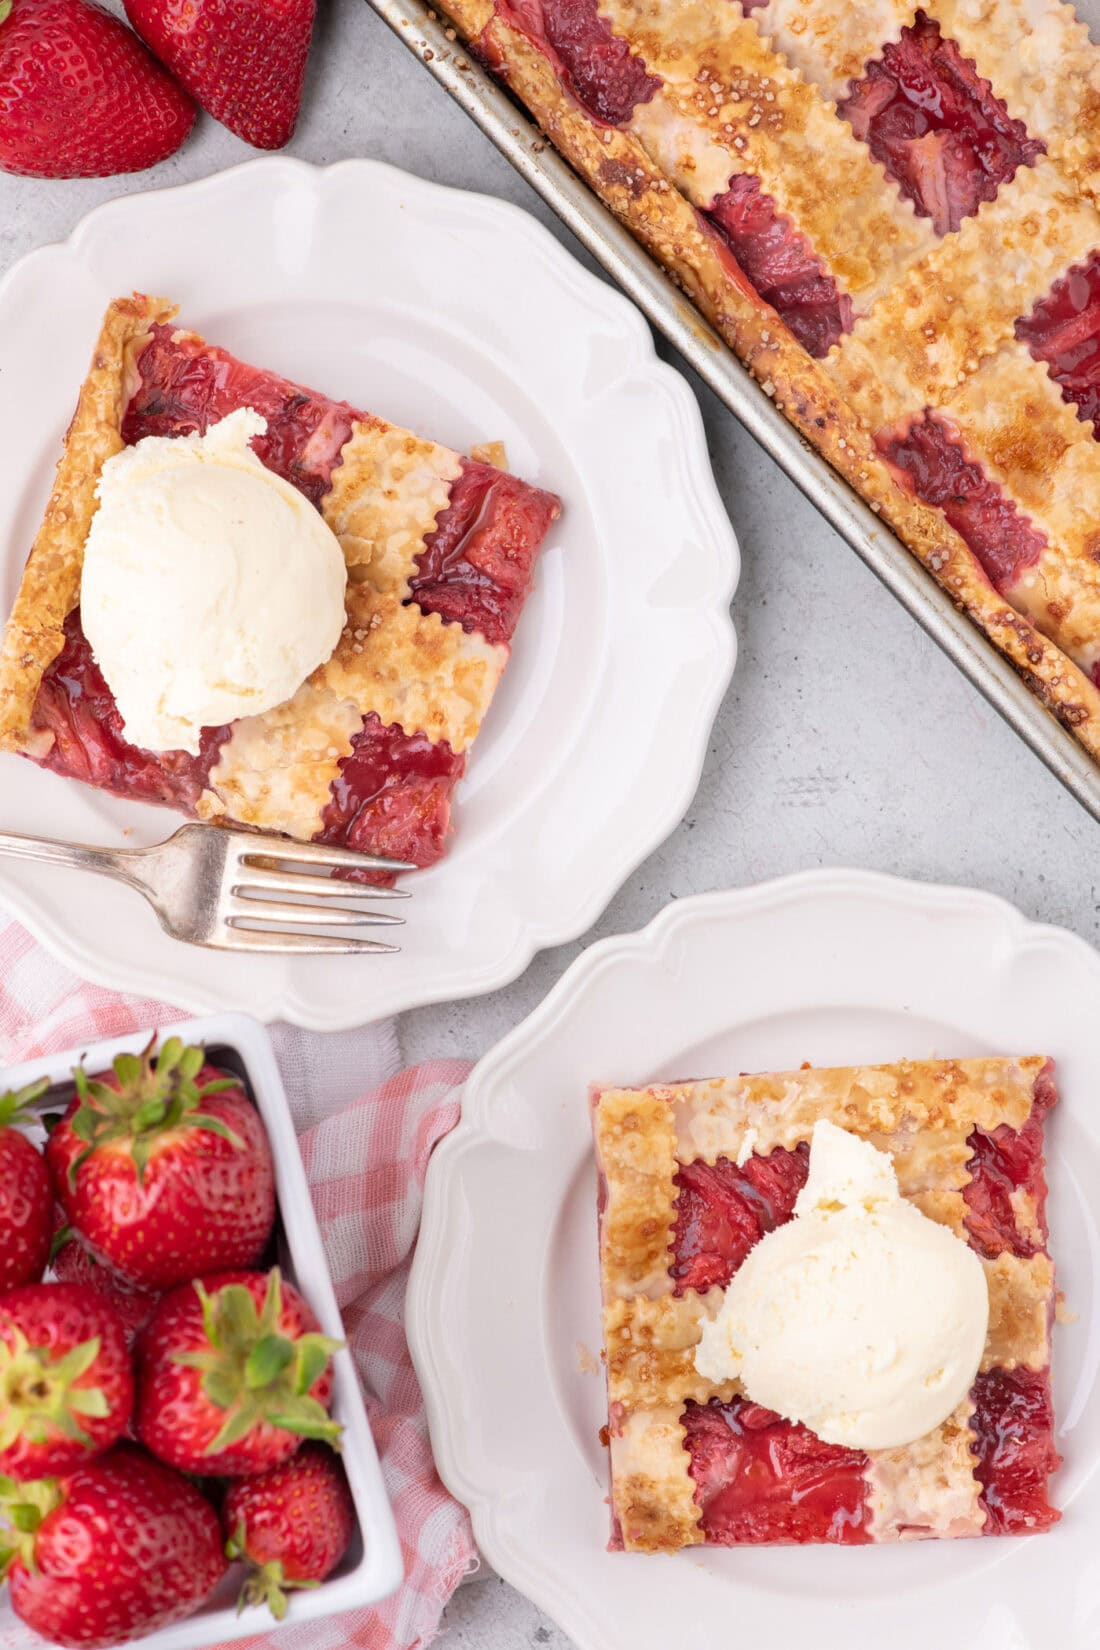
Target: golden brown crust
50 588
923 1113
1021 1300
623 173
387 492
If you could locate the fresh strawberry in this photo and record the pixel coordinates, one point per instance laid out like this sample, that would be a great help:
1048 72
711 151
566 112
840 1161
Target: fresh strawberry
26 1201
66 1381
163 1168
80 97
244 63
115 1550
72 1263
291 1525
232 1375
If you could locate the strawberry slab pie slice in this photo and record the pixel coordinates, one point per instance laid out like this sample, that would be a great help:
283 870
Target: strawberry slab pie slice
367 721
827 1304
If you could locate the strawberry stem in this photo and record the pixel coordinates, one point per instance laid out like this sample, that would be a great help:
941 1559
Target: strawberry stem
255 1373
151 1095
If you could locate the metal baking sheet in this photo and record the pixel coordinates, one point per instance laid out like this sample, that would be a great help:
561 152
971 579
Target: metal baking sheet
502 119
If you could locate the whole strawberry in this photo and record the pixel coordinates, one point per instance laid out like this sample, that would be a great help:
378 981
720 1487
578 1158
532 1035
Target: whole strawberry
245 63
119 1548
80 97
291 1525
72 1263
26 1201
232 1375
163 1168
66 1382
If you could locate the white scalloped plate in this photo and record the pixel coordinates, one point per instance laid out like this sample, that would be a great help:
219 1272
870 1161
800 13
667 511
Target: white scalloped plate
503 1309
462 317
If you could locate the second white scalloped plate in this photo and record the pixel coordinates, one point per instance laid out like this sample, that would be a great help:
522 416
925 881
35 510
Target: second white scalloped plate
463 318
503 1308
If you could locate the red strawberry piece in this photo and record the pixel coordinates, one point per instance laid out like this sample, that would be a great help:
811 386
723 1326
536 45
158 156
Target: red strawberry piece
115 1550
244 63
80 97
291 1525
26 1201
66 1381
163 1168
232 1375
72 1263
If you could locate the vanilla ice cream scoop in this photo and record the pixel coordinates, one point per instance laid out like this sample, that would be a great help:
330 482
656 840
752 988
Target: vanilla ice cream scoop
211 588
860 1317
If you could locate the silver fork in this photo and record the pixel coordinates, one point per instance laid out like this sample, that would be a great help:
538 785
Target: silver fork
208 885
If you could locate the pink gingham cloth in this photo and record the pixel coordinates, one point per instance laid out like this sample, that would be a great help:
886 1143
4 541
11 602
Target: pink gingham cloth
366 1155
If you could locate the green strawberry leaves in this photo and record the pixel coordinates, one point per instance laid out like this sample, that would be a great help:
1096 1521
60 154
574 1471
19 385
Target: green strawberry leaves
5 8
22 1509
155 1094
39 1397
15 1105
255 1373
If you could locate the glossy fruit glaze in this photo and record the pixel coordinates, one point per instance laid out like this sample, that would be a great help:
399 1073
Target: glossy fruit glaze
934 124
77 709
592 63
1063 331
478 566
928 461
393 792
186 385
722 1211
760 1479
1008 1162
780 265
392 796
1014 1427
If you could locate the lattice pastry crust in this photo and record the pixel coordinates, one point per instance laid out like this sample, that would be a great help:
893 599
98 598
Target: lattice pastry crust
408 667
922 1113
756 95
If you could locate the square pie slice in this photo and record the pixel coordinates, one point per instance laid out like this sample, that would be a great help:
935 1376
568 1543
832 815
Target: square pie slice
692 1175
441 556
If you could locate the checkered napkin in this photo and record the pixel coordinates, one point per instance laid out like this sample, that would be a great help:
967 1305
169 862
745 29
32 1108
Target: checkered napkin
366 1155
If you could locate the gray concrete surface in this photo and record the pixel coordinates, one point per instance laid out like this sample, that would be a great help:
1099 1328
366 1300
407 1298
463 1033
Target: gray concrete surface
846 738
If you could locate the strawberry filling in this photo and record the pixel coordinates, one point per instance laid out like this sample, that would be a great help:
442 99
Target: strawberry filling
392 794
478 566
1007 1191
78 709
1013 1424
1063 331
187 385
933 123
760 1479
928 461
722 1211
780 265
595 65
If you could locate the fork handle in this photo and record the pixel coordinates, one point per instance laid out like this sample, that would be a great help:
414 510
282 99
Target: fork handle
111 862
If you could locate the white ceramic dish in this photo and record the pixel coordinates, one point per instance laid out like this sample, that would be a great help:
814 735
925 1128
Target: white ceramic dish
372 1567
462 317
503 1308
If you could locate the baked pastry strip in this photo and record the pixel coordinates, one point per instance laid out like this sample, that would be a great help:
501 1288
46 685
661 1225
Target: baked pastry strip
621 171
831 42
50 588
722 77
924 338
923 1112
